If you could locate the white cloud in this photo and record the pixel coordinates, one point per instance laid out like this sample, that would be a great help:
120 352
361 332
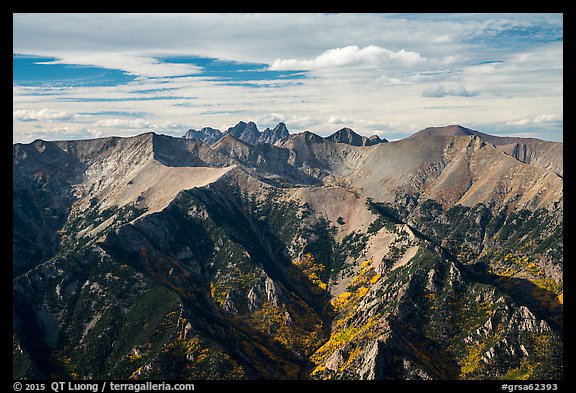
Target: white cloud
56 133
339 120
294 123
538 119
126 123
439 91
386 79
173 125
270 120
44 114
301 122
371 56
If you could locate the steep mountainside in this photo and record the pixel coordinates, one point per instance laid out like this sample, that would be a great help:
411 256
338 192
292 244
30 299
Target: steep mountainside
464 170
151 257
546 155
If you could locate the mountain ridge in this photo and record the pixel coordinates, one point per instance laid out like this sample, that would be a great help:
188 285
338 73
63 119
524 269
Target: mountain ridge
154 257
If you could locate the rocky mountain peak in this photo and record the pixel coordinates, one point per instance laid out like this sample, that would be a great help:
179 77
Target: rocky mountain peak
373 140
348 136
281 127
280 132
451 130
207 135
248 132
309 136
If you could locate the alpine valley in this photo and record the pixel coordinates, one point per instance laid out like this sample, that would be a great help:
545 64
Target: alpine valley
269 255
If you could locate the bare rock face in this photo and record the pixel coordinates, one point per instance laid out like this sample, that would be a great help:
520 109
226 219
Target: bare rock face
265 290
335 360
254 299
546 155
229 305
272 291
367 366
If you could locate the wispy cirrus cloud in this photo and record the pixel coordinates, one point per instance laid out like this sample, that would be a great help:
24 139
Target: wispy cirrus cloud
130 63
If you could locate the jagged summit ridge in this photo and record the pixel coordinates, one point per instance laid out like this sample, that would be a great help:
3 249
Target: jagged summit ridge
248 132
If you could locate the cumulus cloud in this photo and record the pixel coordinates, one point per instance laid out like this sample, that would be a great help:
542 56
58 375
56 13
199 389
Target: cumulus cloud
371 56
302 122
55 133
538 119
126 123
271 119
44 114
339 120
439 91
173 125
294 123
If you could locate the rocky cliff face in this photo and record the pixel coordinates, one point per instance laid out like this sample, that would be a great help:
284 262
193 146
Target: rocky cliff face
434 257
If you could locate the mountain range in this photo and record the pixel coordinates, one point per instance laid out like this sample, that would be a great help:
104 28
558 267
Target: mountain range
269 255
249 133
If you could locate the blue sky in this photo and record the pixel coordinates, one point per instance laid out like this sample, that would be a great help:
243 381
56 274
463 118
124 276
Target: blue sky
93 75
